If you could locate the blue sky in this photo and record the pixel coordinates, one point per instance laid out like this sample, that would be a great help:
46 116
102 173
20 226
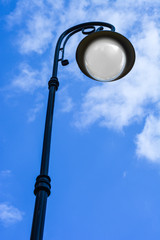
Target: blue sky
105 153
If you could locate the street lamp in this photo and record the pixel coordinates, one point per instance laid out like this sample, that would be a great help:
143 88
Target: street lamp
104 55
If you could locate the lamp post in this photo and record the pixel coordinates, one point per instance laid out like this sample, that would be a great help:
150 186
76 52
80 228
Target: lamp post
103 55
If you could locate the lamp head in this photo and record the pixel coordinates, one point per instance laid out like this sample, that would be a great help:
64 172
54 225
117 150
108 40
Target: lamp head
105 56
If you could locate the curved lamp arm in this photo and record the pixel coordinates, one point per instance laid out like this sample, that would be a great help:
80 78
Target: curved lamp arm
70 32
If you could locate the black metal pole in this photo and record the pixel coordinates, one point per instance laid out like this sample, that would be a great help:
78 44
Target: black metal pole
42 185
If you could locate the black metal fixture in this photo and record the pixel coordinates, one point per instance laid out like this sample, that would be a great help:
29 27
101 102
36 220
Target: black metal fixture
113 50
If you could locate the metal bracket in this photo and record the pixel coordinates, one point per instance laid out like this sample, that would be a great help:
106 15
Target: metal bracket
68 33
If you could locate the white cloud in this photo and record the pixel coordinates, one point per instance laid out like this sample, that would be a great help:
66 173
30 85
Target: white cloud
5 173
29 79
9 214
34 111
37 20
65 100
124 174
148 141
67 104
113 105
142 4
37 36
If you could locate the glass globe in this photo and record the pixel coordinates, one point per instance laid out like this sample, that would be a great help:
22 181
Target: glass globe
104 59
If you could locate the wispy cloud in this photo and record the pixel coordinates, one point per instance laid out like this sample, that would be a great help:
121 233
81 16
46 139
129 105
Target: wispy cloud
37 22
148 141
67 105
124 174
5 173
65 100
38 36
34 111
9 214
29 79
